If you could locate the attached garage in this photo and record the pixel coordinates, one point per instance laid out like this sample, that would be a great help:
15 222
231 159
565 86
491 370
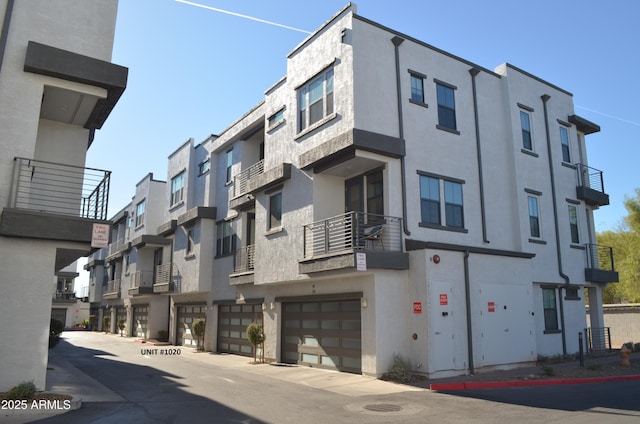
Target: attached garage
60 314
324 334
187 314
121 315
232 327
140 318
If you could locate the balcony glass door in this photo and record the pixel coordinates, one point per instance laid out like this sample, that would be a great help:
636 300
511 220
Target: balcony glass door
354 195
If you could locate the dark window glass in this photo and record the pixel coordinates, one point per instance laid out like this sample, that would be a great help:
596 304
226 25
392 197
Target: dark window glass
417 88
375 195
453 204
430 200
564 138
446 107
526 130
573 224
550 309
534 218
275 210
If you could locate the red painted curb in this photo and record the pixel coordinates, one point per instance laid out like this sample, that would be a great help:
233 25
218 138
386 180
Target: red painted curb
503 384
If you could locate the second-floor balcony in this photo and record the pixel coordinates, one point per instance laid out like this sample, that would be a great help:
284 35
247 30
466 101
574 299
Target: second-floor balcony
141 283
254 179
600 265
112 291
342 236
167 279
591 186
243 265
64 297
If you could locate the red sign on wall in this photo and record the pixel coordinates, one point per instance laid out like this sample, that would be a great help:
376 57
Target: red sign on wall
491 306
444 299
417 307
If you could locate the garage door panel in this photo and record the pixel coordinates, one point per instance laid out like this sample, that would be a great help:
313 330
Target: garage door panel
187 315
140 319
232 327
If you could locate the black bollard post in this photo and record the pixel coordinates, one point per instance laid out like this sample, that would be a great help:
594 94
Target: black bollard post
581 350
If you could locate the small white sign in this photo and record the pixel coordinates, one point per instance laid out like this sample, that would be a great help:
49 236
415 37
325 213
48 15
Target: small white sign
361 261
100 235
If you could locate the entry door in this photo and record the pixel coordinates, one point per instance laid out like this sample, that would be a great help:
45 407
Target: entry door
251 228
157 261
354 195
441 327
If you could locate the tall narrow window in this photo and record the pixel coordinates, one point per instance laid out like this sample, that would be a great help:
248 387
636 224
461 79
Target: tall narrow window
375 193
224 238
525 124
454 216
564 139
550 309
534 217
191 233
430 200
315 100
229 163
140 213
275 211
417 87
446 107
177 189
573 224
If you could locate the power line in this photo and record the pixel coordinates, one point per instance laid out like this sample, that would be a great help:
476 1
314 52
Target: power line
637 124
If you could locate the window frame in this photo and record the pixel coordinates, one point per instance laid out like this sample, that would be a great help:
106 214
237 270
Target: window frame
453 205
177 193
417 94
442 91
190 248
304 95
574 227
550 312
275 211
229 164
139 219
526 133
224 238
443 204
564 144
275 119
537 232
431 201
204 166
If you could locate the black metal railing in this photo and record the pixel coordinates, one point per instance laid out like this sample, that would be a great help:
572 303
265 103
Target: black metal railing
590 177
599 257
353 231
243 259
63 189
598 339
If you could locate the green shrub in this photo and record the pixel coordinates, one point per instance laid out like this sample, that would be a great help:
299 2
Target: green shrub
629 346
198 328
594 367
121 325
56 327
24 390
548 370
256 336
400 371
105 324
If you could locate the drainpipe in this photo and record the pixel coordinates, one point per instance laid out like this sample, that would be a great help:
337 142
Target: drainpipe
545 98
467 292
5 30
403 181
474 72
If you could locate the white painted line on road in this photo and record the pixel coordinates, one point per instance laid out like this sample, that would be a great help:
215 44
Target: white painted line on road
228 380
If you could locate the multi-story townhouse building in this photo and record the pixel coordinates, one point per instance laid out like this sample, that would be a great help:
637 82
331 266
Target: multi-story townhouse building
57 86
388 197
68 306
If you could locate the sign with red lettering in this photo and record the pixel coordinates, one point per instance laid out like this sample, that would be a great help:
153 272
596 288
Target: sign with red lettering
417 307
100 235
444 299
491 306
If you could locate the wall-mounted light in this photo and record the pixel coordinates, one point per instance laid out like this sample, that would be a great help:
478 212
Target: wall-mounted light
364 303
436 259
264 306
272 306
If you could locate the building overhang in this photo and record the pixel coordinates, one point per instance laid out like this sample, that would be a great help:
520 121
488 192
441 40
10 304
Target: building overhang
168 227
197 213
583 125
149 240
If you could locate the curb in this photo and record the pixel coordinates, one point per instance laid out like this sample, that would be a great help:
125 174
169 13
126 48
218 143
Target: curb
504 384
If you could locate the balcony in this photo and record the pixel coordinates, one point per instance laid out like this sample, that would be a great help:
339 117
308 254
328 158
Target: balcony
55 201
112 291
141 283
254 179
64 297
117 248
591 186
243 266
332 243
168 279
600 266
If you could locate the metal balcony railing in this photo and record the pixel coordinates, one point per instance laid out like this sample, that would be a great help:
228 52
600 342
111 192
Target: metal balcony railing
63 189
598 340
590 177
599 257
58 295
142 279
353 231
240 180
167 274
113 287
243 259
116 245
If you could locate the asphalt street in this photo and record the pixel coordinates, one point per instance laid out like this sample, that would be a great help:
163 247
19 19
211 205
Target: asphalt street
124 380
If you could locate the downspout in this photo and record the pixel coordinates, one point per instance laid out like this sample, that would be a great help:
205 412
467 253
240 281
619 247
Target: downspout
4 35
474 72
403 181
467 292
545 98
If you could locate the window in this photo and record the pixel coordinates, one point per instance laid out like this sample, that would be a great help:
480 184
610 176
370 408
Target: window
446 107
453 204
430 200
275 210
177 189
140 213
375 193
573 224
191 232
417 87
534 217
229 163
550 309
525 124
315 100
204 167
432 209
276 118
224 235
564 139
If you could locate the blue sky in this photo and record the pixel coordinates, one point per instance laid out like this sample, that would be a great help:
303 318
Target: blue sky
194 71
